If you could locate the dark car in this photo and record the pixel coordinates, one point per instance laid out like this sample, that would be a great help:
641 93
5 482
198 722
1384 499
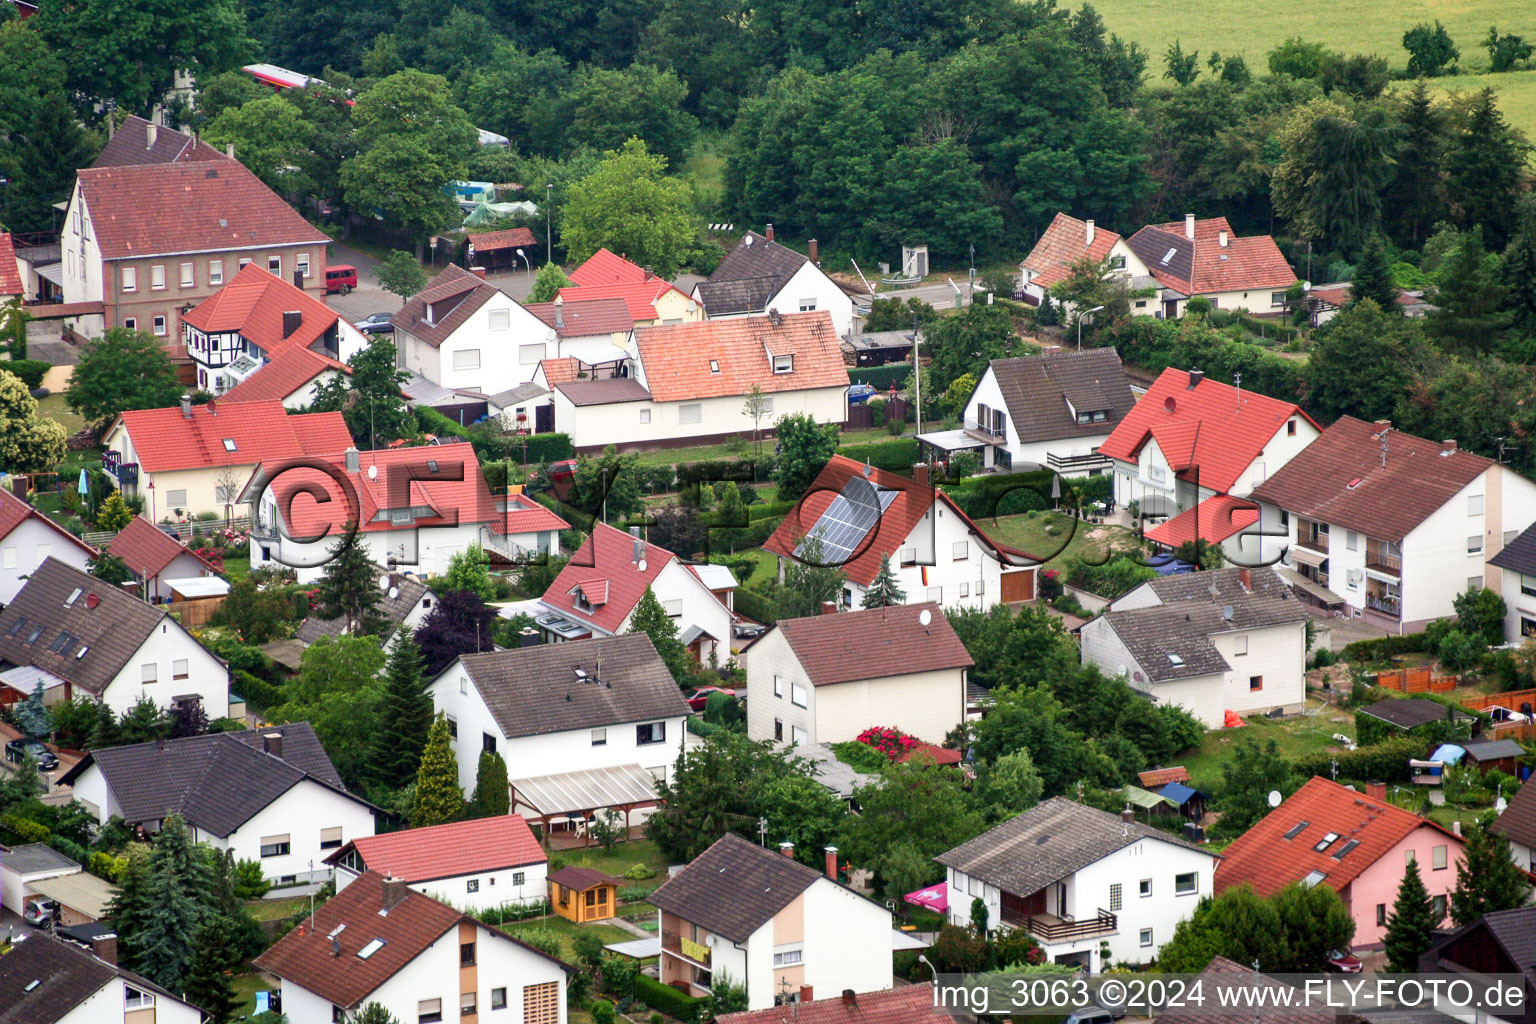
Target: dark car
378 323
41 755
1343 962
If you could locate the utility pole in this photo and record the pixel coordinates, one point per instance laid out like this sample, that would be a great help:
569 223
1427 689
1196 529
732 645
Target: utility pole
917 378
549 214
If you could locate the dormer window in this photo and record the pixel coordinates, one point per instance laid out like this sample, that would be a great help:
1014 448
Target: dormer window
784 364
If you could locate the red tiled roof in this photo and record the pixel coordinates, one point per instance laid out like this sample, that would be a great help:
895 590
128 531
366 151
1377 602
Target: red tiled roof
1215 518
677 358
512 238
202 206
1163 776
446 851
1205 227
261 431
14 511
1205 432
606 560
288 372
561 370
524 515
252 305
911 1004
1205 266
890 641
10 273
930 754
1064 243
146 549
1265 860
585 317
639 296
605 267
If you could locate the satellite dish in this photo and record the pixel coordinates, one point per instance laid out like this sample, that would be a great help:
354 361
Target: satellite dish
373 472
1306 286
1275 798
1500 804
641 566
1170 404
924 617
383 582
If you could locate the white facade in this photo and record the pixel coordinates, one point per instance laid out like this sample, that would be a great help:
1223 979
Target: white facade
13 883
227 359
497 348
1122 263
687 601
80 257
170 663
648 422
121 1000
1019 455
28 546
809 288
1150 886
477 891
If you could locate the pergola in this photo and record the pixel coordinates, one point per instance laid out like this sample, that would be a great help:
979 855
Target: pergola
573 797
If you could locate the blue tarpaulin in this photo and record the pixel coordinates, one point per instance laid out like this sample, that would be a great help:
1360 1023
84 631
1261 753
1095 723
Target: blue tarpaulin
1179 793
1448 753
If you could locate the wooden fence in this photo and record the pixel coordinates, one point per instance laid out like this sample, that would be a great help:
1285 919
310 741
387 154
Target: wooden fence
1518 731
1512 700
1415 680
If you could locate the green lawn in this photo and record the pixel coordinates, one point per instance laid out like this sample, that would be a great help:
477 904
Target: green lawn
246 986
566 931
734 449
1054 536
275 910
766 565
1296 737
55 408
623 857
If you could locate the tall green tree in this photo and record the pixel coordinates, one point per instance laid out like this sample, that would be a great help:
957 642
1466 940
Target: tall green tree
404 715
1364 360
883 590
640 102
1430 50
123 369
1487 879
208 982
1519 277
348 588
1183 68
914 807
369 399
1313 921
607 486
400 274
468 570
439 799
1410 928
958 344
630 205
131 907
338 692
1248 777
492 796
1472 316
805 446
1334 164
548 282
651 618
271 138
1373 277
1415 199
1484 170
178 878
29 442
810 582
1008 786
41 138
937 190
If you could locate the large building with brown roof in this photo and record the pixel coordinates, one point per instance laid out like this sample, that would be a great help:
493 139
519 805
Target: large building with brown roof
151 240
464 333
772 924
1394 525
827 678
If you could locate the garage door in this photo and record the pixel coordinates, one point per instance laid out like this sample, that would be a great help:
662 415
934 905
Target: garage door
1019 585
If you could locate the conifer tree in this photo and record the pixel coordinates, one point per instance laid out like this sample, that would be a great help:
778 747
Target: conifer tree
130 909
439 799
492 795
32 715
349 588
103 729
883 590
375 1013
207 983
1486 878
1519 268
405 715
1410 928
178 883
1373 277
651 618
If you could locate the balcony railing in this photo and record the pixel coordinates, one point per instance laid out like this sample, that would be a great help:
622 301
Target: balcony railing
1384 604
988 429
1093 461
1383 559
674 943
1318 543
1050 928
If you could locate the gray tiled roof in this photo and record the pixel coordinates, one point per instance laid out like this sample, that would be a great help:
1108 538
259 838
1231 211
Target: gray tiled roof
605 391
1519 554
34 858
215 782
1184 628
64 975
453 296
1409 712
407 592
1518 822
531 691
749 275
1196 586
1048 843
1036 390
734 887
1492 750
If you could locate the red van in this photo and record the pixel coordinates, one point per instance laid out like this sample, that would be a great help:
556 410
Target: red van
340 277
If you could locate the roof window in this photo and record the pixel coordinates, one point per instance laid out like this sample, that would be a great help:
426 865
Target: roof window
374 945
229 444
1168 256
714 366
784 364
1175 659
1341 851
18 626
74 595
1297 829
1325 842
37 631
1313 877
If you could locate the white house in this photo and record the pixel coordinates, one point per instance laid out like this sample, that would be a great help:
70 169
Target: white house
477 865
1517 823
87 637
827 678
760 275
1207 258
597 591
1391 527
1517 583
407 602
417 508
1067 242
1230 639
377 941
784 930
27 539
582 727
47 980
462 332
20 866
1051 410
936 552
270 795
1090 887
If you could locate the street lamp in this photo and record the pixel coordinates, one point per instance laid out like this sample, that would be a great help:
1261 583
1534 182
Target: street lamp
1080 316
525 262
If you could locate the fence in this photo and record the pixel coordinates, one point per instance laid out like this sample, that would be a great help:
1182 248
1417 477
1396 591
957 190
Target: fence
1415 680
184 531
1512 700
1518 731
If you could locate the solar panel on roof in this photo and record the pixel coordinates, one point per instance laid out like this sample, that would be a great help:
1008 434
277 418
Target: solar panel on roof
846 523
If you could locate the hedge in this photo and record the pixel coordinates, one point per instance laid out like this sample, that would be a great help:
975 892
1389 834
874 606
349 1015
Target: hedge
17 829
1382 762
31 371
667 999
896 456
1149 342
882 377
433 422
1382 648
1009 494
755 606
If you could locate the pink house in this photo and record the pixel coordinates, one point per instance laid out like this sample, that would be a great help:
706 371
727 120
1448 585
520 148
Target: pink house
1355 842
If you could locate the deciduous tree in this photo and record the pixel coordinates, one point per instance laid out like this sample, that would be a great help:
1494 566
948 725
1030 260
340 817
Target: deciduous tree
805 446
460 623
548 282
271 138
1430 50
1248 777
651 618
123 369
629 204
400 274
467 570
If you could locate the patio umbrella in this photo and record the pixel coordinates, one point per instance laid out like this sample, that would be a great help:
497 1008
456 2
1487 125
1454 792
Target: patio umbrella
84 486
934 897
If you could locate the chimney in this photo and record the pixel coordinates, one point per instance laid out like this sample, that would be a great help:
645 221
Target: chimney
1376 791
787 848
559 312
831 865
1127 815
1189 225
105 948
1222 237
1087 232
1195 377
1456 827
807 994
920 473
151 135
229 150
1383 423
1449 444
298 279
272 743
186 407
354 465
815 252
527 637
1246 578
638 544
293 319
394 892
769 233
850 998
829 607
478 272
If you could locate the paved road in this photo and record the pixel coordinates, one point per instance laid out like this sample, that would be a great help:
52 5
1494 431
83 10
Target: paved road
940 295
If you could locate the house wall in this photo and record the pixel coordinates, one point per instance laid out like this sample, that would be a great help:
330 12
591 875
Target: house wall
1281 448
108 1003
988 393
305 395
496 889
26 547
621 423
1133 268
183 567
1436 565
847 942
1521 605
207 676
502 364
300 814
13 884
933 572
674 306
91 790
1254 300
200 484
700 606
1378 883
80 256
809 284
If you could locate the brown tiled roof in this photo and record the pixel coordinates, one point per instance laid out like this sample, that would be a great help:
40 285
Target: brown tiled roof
1064 243
1271 1002
585 318
749 276
734 887
453 296
146 549
1037 390
129 145
1339 479
1519 554
558 371
44 979
531 691
677 357
512 238
604 391
1202 265
581 879
889 642
1163 776
910 1004
197 207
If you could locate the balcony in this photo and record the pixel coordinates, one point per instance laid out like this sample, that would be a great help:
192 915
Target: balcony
1384 558
1386 604
1076 463
998 431
694 952
1049 928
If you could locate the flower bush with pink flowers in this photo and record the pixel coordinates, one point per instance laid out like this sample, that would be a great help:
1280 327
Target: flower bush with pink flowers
890 742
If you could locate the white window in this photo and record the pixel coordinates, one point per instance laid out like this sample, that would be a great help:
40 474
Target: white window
936 595
43 551
799 697
1258 473
778 681
468 1005
788 957
136 999
973 886
131 322
243 261
1240 644
1146 887
1474 504
149 672
807 305
275 265
1146 936
8 558
1474 583
645 415
176 499
215 271
330 838
188 277
714 366
692 413
429 1011
179 668
1156 474
501 319
160 330
767 403
1438 858
304 264
1351 540
599 737
962 550
1185 884
965 590
157 278
798 736
674 607
529 355
908 556
275 846
1114 897
1475 545
466 359
784 364
130 279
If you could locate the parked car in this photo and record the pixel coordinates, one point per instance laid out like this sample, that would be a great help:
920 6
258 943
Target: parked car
748 630
701 696
562 475
378 323
858 394
1090 1015
40 913
1342 961
41 755
340 277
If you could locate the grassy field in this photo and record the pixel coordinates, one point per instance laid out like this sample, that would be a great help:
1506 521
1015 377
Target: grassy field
1296 737
1051 534
733 450
55 408
274 910
566 932
623 857
246 986
1516 91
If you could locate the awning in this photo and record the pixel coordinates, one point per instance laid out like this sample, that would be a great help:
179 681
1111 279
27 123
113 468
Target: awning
580 792
80 892
605 354
934 897
951 440
1306 556
24 678
1448 753
1310 587
909 940
199 586
1177 793
1145 799
52 272
637 949
693 633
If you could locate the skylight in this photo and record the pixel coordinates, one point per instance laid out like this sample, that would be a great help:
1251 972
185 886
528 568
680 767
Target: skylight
1175 659
81 653
714 366
1325 842
74 595
37 631
374 945
1341 851
1297 829
18 626
1168 256
229 444
1313 877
